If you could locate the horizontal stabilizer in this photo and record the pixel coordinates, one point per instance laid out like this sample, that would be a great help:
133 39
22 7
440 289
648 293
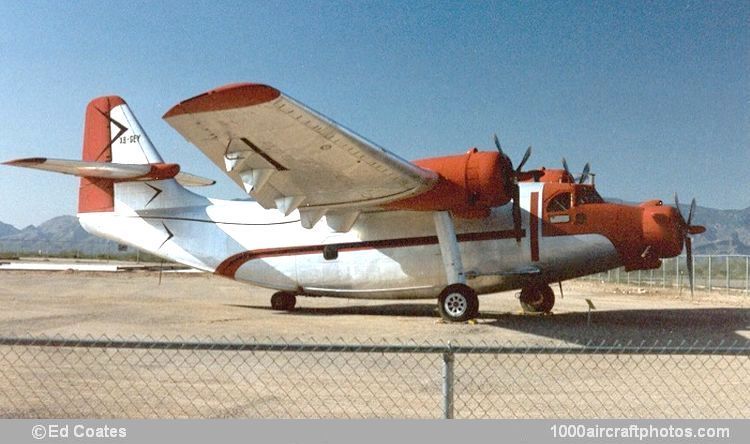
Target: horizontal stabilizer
191 180
113 171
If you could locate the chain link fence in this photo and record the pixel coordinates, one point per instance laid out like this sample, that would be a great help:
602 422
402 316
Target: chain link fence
92 248
724 273
116 378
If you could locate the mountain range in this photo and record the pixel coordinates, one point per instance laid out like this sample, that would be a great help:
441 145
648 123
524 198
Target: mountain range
727 232
61 235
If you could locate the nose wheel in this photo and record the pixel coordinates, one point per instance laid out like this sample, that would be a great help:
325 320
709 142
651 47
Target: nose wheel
538 298
283 301
458 303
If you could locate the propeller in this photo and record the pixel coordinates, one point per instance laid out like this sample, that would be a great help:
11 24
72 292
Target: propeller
513 182
687 229
584 173
565 167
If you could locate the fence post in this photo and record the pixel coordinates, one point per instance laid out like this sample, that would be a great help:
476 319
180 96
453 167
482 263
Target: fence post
747 273
727 259
709 274
448 358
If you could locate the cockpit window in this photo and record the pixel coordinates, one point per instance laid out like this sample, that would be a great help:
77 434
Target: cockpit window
561 202
587 195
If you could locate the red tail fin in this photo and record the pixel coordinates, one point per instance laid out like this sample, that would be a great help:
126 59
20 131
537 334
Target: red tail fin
97 195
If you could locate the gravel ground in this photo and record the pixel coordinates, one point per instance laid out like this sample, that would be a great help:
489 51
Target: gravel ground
76 382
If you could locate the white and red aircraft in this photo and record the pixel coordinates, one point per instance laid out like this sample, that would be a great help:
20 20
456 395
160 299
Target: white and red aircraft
352 219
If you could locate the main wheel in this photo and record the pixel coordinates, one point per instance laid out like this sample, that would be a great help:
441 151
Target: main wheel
537 298
458 303
283 300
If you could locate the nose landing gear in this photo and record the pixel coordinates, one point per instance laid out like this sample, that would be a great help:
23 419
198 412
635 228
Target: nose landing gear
537 298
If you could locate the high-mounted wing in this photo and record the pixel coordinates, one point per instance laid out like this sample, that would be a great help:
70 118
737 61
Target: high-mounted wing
287 156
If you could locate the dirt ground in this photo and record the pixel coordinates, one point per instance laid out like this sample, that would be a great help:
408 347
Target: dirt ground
53 382
134 304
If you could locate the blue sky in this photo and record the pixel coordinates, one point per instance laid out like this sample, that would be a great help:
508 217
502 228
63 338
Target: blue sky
656 95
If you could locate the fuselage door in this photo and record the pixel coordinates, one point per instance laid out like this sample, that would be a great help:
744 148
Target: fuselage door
558 209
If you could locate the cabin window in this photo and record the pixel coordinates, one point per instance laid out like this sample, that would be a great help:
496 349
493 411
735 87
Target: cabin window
561 202
330 252
587 195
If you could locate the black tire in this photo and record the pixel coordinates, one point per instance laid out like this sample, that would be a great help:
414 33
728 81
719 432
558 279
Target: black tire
537 298
458 303
548 299
283 301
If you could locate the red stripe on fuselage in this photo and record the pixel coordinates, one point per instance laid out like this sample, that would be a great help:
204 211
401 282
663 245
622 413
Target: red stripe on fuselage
233 263
534 226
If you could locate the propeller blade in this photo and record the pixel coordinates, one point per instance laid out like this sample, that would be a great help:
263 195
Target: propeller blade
690 213
525 158
585 173
689 251
497 144
517 212
677 206
565 166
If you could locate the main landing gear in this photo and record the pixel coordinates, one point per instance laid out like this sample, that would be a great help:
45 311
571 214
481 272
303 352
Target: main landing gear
283 301
457 302
537 298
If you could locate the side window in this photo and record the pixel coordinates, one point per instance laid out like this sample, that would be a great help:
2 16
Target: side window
561 202
330 253
587 195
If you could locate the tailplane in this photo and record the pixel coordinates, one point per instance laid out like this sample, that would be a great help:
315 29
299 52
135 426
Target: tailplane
117 162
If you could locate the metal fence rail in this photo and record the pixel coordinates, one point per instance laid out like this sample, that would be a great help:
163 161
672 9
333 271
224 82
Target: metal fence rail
100 249
144 378
726 272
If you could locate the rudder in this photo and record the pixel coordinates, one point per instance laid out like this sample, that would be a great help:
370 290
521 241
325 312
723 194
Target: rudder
111 134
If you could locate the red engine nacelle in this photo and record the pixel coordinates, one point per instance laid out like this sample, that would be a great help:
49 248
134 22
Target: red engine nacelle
469 184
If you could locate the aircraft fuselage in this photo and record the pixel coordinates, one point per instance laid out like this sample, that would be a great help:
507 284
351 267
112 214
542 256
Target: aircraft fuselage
386 255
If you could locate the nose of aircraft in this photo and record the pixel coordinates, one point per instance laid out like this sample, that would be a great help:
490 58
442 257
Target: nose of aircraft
663 230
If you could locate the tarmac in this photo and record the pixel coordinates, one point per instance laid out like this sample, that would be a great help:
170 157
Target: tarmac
198 305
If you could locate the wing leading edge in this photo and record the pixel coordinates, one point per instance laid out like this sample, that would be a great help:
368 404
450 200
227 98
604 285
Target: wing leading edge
288 156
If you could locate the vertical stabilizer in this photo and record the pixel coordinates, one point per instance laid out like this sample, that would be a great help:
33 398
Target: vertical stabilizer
111 134
94 194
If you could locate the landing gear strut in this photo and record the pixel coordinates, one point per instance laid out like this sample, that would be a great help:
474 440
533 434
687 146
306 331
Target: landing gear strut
457 302
283 301
537 298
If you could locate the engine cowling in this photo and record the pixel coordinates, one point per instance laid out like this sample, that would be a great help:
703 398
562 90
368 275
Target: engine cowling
469 184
